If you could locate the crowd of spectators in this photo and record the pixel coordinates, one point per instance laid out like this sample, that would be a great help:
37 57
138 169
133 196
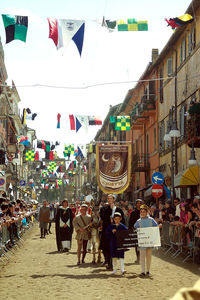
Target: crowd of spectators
14 216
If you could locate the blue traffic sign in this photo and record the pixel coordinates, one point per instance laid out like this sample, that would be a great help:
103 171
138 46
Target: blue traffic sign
158 178
22 182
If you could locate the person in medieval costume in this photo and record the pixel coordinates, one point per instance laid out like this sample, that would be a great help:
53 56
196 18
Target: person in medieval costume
64 227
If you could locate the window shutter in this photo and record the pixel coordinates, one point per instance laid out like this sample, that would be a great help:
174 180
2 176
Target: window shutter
182 121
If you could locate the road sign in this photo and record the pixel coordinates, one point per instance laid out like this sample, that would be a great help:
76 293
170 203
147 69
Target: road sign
157 190
22 182
2 183
158 178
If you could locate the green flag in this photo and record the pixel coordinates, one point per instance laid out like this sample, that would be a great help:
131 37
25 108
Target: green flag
16 27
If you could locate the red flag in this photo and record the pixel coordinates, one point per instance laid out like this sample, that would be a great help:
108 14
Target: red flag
50 155
43 145
37 155
72 122
58 119
53 30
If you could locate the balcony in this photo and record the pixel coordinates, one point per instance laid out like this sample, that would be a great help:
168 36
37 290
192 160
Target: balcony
141 162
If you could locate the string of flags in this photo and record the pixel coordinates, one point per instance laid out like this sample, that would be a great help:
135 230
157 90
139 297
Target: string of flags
78 121
122 123
28 115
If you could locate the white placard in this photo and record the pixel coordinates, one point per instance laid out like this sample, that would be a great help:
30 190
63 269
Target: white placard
148 237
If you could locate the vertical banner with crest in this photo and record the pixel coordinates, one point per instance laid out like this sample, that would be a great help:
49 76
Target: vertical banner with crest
113 167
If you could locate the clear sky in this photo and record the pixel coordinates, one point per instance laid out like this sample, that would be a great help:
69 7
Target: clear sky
106 57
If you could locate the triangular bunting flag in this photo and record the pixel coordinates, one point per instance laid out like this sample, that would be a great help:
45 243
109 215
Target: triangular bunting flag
62 31
78 124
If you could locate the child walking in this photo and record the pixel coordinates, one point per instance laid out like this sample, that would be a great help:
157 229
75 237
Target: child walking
145 253
117 255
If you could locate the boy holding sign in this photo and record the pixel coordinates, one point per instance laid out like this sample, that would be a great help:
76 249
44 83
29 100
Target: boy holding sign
111 235
145 253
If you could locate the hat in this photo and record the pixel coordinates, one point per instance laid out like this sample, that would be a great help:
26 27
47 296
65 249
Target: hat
138 200
117 214
84 205
144 206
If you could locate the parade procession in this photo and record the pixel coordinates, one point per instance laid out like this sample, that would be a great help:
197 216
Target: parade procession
100 150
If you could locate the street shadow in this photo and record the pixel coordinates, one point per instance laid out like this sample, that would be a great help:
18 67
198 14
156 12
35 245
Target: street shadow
178 261
72 276
55 252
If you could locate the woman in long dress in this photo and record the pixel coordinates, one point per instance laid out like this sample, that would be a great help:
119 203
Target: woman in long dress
64 227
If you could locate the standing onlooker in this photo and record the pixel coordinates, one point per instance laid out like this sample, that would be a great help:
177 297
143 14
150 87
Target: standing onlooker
44 218
177 207
82 225
135 215
107 214
145 253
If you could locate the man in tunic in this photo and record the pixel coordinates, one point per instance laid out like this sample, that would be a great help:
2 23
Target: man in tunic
44 215
82 224
64 227
107 215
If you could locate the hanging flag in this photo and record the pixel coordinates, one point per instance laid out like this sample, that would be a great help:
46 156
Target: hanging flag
80 153
58 120
83 149
31 117
51 155
132 25
113 167
37 155
111 25
23 140
30 155
73 165
78 124
112 119
179 21
94 120
123 123
62 31
72 122
16 27
84 121
24 116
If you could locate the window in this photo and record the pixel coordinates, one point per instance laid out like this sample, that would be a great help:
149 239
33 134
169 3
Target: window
154 138
137 147
161 85
183 51
191 40
142 145
147 143
151 95
169 66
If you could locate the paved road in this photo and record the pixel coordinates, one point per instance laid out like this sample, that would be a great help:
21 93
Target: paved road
38 272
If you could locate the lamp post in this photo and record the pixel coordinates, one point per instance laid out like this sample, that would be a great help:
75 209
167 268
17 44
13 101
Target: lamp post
171 136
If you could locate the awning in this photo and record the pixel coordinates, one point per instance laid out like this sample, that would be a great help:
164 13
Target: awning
188 178
148 192
141 189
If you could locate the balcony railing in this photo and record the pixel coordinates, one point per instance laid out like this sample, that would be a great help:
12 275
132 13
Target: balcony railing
141 162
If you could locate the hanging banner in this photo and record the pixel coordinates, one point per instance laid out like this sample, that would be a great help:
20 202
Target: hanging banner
113 167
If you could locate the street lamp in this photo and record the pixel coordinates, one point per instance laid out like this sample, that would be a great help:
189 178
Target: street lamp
174 132
192 161
167 137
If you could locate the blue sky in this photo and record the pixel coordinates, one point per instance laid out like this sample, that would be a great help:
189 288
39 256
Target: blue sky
106 57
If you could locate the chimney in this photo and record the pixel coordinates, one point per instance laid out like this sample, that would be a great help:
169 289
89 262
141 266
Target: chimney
154 55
